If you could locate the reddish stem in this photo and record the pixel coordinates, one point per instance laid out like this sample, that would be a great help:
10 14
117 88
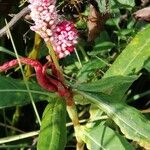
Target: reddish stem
50 83
55 80
41 78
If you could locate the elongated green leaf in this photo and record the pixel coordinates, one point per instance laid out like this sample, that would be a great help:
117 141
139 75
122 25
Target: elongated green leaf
53 130
132 59
3 49
131 122
107 85
14 92
103 137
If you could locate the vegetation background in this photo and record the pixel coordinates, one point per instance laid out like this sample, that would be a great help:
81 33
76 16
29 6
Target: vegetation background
109 71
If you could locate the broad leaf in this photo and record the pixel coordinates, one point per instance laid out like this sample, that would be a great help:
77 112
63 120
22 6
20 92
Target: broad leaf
53 130
131 122
132 59
14 92
105 83
103 137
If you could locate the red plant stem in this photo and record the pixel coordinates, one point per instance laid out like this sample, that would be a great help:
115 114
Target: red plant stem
61 88
41 78
67 95
56 70
45 81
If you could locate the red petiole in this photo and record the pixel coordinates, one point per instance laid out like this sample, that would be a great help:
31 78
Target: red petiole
49 82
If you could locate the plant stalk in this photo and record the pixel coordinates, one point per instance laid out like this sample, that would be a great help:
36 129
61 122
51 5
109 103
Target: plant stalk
24 78
71 107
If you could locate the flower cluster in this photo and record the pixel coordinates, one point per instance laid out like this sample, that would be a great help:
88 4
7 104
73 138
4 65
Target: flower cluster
62 34
66 38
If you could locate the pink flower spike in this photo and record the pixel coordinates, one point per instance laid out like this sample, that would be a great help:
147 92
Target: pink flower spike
61 34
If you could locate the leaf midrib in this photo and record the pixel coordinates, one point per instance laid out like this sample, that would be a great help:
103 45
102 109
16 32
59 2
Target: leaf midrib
85 133
111 111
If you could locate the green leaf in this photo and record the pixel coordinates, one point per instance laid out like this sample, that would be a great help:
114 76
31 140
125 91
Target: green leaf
81 24
3 49
14 92
102 5
107 85
101 47
102 43
127 2
104 46
113 22
53 129
88 68
131 122
80 99
103 137
95 113
132 59
147 65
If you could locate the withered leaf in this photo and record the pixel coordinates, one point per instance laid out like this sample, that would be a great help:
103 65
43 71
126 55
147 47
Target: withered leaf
95 23
143 14
145 2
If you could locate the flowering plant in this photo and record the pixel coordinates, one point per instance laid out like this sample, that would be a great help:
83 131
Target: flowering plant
60 36
77 70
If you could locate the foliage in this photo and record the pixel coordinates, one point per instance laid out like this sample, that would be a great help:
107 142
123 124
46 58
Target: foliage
53 129
103 75
101 136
